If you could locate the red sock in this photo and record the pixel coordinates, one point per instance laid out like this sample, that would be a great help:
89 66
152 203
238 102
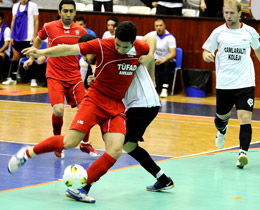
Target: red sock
85 140
100 167
49 145
57 123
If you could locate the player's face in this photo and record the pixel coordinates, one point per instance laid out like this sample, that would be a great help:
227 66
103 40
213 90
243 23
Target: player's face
81 23
231 15
111 26
159 27
122 47
67 14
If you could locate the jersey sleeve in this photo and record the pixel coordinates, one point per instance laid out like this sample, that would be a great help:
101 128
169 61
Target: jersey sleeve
172 42
90 47
211 44
255 40
43 32
35 9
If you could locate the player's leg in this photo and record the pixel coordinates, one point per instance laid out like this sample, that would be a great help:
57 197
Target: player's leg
224 105
51 144
244 106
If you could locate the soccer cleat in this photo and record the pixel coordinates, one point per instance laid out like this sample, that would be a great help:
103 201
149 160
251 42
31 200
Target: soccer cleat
59 154
33 83
9 81
158 186
220 139
87 148
242 160
17 160
164 93
79 195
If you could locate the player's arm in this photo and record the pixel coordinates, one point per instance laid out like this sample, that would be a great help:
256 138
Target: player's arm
61 50
36 27
208 56
146 59
5 46
257 53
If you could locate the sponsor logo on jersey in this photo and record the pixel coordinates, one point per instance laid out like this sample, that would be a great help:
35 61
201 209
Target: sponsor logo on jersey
80 122
66 31
126 69
250 102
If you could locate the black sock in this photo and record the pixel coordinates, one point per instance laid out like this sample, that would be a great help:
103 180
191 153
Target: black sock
245 136
147 163
13 69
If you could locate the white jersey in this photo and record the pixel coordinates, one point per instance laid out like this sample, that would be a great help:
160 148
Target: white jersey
107 34
7 37
234 66
32 11
163 45
141 92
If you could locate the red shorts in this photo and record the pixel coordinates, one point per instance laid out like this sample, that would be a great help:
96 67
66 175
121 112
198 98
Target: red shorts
89 114
74 91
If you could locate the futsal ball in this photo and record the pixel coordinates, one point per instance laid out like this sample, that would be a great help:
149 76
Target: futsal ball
75 176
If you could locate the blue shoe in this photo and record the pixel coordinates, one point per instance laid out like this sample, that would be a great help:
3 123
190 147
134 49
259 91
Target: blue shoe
79 195
158 186
17 160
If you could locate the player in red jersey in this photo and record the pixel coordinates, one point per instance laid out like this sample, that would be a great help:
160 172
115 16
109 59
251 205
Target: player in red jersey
117 59
63 75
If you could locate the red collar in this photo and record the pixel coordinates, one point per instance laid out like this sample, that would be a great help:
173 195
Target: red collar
241 25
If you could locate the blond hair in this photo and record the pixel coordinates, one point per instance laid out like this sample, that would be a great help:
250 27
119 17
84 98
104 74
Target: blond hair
236 2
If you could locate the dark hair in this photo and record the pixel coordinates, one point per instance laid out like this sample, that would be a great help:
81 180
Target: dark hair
66 2
86 38
126 31
80 18
2 15
113 19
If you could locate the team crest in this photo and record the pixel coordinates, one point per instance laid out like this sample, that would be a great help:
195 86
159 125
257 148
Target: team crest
77 32
250 102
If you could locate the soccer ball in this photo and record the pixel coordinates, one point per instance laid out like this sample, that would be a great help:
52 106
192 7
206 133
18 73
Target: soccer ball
75 176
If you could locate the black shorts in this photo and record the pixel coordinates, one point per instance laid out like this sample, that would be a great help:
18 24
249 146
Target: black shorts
138 120
243 99
19 46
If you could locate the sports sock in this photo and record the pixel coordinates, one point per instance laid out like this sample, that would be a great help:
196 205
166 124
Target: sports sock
245 136
145 160
100 167
221 123
57 123
13 69
86 138
49 145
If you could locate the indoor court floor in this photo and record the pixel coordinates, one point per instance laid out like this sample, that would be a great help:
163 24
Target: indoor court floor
181 140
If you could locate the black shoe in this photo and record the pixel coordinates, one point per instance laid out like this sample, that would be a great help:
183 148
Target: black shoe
161 185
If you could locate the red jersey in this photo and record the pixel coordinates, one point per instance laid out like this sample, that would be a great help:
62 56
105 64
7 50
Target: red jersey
65 68
114 72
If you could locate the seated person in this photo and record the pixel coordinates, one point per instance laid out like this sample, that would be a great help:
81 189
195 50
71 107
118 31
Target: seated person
112 23
5 36
164 56
80 20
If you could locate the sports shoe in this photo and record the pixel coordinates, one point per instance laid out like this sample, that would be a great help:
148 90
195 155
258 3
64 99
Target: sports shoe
79 195
9 81
242 160
87 148
17 160
164 93
33 83
220 139
158 186
59 154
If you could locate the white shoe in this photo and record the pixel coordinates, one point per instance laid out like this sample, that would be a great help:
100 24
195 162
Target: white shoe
164 93
220 139
33 83
9 81
79 195
60 154
17 160
242 160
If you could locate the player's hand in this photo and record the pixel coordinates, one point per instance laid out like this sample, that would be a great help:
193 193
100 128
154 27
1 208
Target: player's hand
208 57
203 6
146 59
27 63
31 51
90 79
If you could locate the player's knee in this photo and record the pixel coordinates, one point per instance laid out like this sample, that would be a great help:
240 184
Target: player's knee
58 110
114 152
221 123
